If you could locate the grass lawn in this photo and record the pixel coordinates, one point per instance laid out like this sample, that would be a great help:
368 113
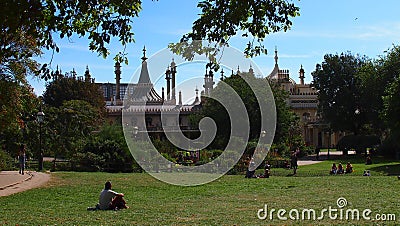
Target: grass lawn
230 200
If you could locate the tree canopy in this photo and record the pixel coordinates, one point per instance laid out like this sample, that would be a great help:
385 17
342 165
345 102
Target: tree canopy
361 95
220 20
32 25
338 91
66 88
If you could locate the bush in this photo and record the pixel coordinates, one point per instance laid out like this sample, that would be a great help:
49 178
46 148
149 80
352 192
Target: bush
6 161
105 156
390 147
358 142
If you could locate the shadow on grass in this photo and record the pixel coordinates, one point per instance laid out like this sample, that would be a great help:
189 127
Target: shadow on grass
389 170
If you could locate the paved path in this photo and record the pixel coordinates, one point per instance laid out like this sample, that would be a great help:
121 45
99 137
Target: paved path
312 159
12 182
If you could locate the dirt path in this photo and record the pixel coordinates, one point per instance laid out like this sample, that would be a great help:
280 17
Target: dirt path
12 182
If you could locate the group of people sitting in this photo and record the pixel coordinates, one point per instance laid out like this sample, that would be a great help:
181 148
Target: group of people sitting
251 173
340 170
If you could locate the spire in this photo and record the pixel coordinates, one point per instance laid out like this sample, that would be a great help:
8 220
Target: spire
196 100
222 75
87 74
144 73
251 71
144 58
276 56
73 72
238 70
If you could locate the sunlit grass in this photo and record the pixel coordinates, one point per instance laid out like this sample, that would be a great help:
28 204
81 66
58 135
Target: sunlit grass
230 200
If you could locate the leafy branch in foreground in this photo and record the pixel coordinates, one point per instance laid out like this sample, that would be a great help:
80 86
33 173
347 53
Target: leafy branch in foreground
220 20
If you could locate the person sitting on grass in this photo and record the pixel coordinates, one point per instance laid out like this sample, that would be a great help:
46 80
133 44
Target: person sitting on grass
111 200
340 169
349 168
333 169
266 171
367 173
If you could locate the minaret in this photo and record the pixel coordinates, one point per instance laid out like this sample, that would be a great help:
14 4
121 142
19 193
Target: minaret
222 76
180 98
301 75
57 74
251 71
238 71
117 80
168 78
87 74
173 73
276 56
162 94
73 73
208 82
197 95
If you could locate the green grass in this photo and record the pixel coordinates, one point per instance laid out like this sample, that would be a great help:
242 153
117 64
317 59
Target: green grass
380 167
231 200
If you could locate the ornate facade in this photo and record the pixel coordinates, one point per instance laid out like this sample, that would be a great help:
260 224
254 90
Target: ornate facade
303 100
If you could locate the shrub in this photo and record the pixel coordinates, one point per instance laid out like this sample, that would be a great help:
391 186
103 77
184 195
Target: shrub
358 142
105 156
6 161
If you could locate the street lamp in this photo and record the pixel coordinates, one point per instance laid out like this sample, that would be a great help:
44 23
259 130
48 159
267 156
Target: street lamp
40 118
135 131
357 114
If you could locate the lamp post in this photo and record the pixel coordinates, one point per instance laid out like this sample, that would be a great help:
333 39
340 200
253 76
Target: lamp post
40 118
135 131
357 114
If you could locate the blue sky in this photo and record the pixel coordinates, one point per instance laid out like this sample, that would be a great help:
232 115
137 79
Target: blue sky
365 27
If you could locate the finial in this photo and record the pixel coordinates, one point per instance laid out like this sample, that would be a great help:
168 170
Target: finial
276 55
144 53
173 64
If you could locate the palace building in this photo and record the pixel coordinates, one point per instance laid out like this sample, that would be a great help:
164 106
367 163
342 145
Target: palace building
302 100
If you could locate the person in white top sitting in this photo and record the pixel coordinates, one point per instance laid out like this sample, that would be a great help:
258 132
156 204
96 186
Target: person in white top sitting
111 200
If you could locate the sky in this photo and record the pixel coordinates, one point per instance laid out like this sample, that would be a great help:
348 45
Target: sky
365 27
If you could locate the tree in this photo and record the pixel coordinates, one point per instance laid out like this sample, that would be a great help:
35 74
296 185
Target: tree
100 21
68 127
338 91
287 123
220 20
66 88
390 70
18 109
40 20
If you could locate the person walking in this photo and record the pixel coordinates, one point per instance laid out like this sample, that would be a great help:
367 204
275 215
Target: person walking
22 159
